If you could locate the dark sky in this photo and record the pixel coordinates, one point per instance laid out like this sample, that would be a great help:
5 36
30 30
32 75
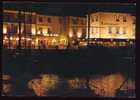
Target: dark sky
74 9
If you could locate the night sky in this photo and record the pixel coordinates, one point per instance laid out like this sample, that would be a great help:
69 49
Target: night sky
70 9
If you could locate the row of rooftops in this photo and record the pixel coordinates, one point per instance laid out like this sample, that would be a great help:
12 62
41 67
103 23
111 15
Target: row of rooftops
34 13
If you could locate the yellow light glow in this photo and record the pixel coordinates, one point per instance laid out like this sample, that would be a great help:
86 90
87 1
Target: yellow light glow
79 35
17 38
28 39
22 38
91 36
33 43
33 31
70 35
5 37
4 30
38 32
11 38
36 40
54 41
45 32
55 34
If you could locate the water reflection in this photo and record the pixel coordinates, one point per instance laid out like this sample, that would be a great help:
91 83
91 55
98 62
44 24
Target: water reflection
77 83
6 85
43 84
104 86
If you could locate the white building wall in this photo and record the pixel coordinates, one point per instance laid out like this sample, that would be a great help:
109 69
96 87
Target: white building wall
106 20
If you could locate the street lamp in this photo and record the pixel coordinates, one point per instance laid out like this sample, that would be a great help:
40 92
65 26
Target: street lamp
88 19
38 32
11 38
78 35
70 35
4 30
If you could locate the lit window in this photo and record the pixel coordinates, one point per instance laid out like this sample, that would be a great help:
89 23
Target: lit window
40 30
124 30
5 30
49 31
70 34
124 18
117 18
110 29
12 28
33 31
74 31
92 30
83 33
117 30
121 30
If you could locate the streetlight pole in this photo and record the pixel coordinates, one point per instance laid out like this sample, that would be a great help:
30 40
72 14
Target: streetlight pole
88 20
25 29
19 23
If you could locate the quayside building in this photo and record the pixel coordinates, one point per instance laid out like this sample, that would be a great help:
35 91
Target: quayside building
38 31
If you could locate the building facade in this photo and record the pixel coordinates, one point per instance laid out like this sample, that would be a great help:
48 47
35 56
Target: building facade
112 26
108 25
37 30
11 20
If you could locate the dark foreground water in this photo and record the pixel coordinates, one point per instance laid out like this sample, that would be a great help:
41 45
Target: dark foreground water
53 85
93 72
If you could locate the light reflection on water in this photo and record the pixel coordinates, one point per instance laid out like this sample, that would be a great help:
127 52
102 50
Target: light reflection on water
6 86
101 85
44 84
106 85
76 83
6 89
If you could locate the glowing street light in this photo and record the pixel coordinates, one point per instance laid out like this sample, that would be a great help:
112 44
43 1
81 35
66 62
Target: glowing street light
33 31
79 35
11 38
28 39
22 38
5 37
70 35
17 39
38 32
4 30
